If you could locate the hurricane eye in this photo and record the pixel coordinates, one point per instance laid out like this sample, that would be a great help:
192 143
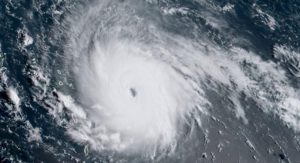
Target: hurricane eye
133 92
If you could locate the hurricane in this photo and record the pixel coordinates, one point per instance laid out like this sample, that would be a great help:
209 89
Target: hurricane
150 81
134 89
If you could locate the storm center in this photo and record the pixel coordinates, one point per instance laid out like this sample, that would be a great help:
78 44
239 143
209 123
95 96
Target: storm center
133 92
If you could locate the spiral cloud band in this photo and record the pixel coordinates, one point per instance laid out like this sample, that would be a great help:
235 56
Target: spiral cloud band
142 84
